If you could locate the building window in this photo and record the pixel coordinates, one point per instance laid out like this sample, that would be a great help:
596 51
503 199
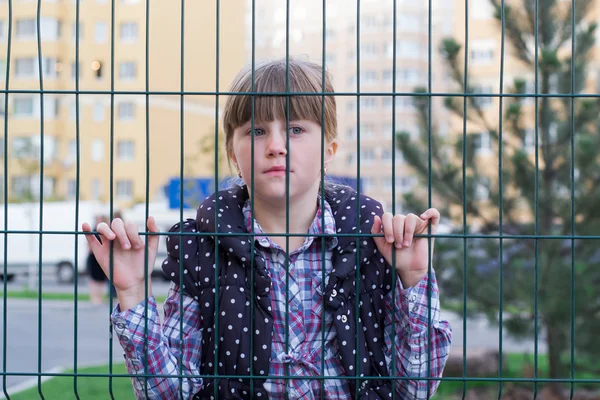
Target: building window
482 142
100 32
125 189
72 188
50 29
23 106
368 102
71 153
368 51
129 32
483 101
369 77
2 69
408 22
409 49
405 183
126 110
409 76
125 150
97 150
98 112
51 67
2 29
25 28
482 51
127 70
96 188
367 130
25 67
51 106
367 156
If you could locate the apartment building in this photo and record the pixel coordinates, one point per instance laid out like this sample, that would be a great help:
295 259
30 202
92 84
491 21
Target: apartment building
111 99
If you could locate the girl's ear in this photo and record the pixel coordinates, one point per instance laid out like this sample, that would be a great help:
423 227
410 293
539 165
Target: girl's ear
330 151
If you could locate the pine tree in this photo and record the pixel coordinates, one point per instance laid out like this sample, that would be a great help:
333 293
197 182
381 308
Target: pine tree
553 151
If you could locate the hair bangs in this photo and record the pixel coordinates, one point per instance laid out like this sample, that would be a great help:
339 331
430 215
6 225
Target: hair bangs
272 100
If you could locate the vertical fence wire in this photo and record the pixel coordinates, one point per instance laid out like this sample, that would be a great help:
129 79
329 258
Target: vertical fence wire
5 206
355 373
252 194
287 191
77 188
500 200
572 177
464 196
217 75
536 211
322 190
41 194
181 193
429 191
147 198
393 270
111 195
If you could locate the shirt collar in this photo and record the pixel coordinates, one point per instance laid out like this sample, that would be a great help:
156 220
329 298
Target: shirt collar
315 228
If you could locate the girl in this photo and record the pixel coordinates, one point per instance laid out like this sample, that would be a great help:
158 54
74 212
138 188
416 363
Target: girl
307 317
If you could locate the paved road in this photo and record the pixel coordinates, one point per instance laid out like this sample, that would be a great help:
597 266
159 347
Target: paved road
58 334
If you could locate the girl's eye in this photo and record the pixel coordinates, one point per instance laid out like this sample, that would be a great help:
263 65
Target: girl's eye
257 132
296 130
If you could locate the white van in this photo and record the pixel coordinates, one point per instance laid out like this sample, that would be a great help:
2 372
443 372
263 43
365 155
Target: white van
21 229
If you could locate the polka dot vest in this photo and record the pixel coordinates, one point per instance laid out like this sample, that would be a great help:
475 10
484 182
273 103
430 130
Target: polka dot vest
223 271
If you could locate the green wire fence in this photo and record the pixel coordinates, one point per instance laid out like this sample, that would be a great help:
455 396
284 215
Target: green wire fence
462 235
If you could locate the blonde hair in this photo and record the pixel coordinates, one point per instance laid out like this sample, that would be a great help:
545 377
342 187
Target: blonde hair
270 77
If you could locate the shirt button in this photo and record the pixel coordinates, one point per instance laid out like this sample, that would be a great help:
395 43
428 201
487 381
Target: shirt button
333 293
344 319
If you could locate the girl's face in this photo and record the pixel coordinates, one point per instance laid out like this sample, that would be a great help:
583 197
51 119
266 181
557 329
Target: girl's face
270 152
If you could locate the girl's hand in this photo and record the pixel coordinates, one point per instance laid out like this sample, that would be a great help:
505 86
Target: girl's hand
129 271
411 254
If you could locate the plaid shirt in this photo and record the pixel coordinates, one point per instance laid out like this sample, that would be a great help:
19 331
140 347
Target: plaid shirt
308 341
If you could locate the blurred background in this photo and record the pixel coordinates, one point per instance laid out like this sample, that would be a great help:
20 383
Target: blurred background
484 109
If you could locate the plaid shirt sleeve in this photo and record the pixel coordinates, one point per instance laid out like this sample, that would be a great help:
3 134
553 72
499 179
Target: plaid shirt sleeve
412 358
166 351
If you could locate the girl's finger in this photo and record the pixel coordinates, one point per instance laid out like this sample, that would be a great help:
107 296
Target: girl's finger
119 229
94 244
152 239
409 229
133 235
433 215
104 230
388 227
399 220
375 230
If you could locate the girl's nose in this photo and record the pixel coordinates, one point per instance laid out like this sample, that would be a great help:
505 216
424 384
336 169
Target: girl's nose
277 144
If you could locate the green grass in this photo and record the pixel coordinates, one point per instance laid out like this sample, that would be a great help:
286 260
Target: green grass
34 295
62 387
516 365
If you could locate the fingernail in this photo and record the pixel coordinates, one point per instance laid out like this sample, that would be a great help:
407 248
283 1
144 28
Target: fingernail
126 246
398 245
390 239
406 243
